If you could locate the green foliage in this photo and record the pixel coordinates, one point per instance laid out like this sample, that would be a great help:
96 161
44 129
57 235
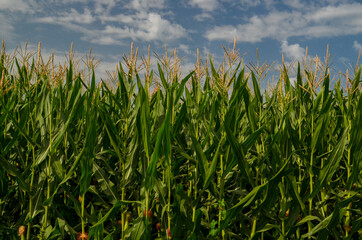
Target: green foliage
225 161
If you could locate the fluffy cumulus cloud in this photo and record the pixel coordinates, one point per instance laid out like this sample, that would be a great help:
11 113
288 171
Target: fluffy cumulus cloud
293 51
139 22
117 22
357 46
329 21
206 5
155 27
144 27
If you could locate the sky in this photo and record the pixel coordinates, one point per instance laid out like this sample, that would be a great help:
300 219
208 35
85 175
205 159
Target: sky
275 28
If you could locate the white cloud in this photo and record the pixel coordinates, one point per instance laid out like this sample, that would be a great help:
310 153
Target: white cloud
357 46
294 3
333 13
226 32
146 4
277 25
205 52
120 18
250 3
293 51
73 1
144 27
111 29
246 4
333 2
205 5
103 68
328 21
104 6
157 28
203 17
344 60
70 17
6 28
103 40
187 67
76 17
15 5
184 48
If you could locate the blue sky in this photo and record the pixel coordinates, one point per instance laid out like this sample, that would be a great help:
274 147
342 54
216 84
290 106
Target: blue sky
109 26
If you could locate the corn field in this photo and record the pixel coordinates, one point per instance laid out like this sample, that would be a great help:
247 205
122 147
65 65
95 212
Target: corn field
159 155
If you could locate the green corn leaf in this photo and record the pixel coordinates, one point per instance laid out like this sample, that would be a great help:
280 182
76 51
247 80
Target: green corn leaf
38 197
252 138
307 219
213 114
66 178
105 184
321 122
59 135
356 228
356 145
210 172
239 154
112 212
162 77
294 193
201 158
180 119
180 89
355 83
4 184
124 88
58 168
13 171
151 170
93 84
69 77
268 227
87 161
252 196
138 230
328 170
332 220
167 123
250 110
17 124
256 89
145 121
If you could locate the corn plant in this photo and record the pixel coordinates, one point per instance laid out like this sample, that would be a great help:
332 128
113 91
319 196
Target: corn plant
206 155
